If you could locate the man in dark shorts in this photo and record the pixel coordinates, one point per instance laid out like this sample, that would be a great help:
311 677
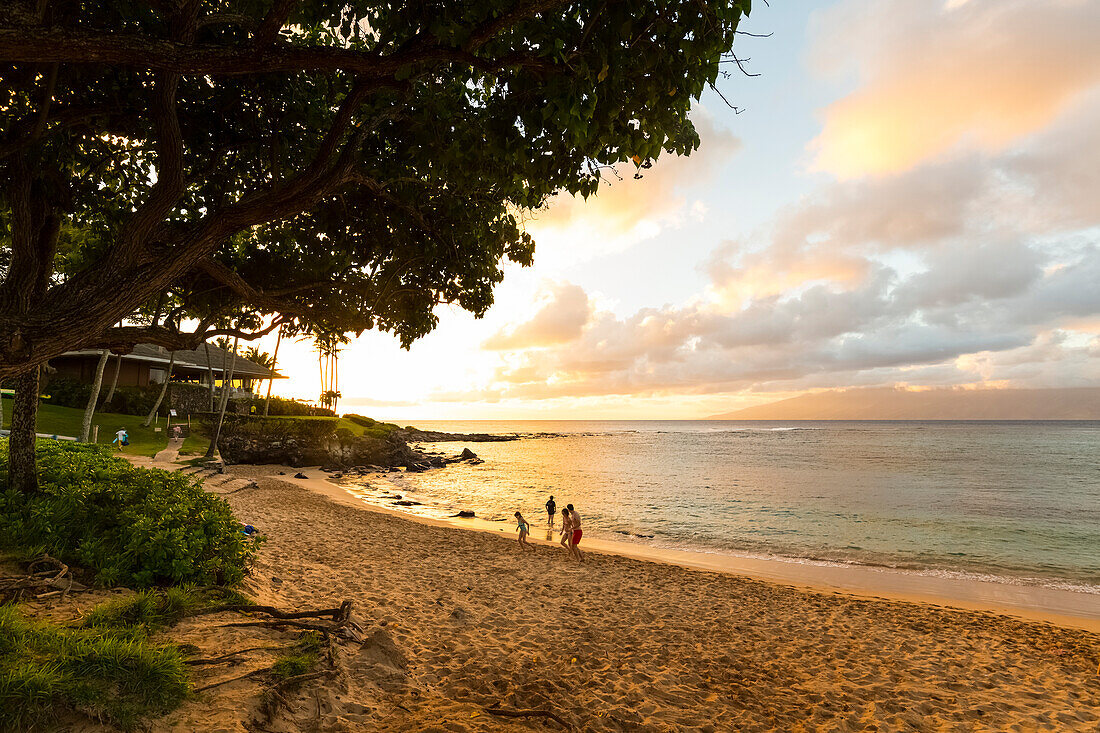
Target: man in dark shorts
552 510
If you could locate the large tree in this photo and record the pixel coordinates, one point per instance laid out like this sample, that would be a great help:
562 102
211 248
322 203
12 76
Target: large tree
326 167
353 163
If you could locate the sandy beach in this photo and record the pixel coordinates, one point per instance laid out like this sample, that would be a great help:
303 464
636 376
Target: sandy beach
457 621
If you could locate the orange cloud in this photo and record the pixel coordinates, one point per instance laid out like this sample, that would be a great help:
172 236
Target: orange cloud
934 77
629 210
738 278
559 321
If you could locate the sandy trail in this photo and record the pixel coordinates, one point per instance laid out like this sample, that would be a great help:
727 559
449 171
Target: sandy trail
460 620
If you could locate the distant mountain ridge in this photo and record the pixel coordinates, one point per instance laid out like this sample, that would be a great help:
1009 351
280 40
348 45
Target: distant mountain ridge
889 403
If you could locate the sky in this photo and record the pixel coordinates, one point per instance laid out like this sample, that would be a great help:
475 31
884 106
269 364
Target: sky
907 195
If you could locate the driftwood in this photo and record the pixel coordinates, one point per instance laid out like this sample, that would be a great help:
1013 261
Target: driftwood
496 709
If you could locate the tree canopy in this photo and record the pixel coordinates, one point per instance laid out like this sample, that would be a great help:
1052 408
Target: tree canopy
321 167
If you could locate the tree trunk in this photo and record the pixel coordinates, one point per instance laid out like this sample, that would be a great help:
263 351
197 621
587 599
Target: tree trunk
114 380
227 381
93 397
274 360
210 373
22 473
163 390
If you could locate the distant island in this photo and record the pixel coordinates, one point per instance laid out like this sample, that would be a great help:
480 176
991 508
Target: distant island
947 403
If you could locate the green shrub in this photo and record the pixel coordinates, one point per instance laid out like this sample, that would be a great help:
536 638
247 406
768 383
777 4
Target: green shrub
112 674
372 428
131 526
300 658
370 422
151 609
284 407
275 428
67 392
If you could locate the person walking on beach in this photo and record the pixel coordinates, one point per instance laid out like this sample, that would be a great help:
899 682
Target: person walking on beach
575 528
566 531
523 528
551 510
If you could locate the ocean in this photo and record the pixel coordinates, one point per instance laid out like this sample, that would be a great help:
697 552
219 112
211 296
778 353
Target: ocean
1017 502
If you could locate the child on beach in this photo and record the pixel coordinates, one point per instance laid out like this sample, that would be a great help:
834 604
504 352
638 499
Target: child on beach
551 510
523 527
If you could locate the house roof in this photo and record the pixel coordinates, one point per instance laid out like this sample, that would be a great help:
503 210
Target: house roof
191 359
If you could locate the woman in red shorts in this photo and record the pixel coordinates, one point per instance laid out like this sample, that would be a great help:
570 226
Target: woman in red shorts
575 524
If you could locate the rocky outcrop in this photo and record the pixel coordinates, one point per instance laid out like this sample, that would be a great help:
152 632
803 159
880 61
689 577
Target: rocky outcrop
309 443
319 442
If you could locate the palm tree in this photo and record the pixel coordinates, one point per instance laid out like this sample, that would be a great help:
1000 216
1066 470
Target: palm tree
328 360
329 399
254 355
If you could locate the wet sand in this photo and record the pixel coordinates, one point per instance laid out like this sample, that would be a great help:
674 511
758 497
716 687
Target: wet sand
457 621
1062 607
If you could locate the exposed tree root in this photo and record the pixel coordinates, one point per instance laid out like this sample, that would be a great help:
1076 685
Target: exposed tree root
337 614
238 678
495 709
277 624
333 624
225 657
46 577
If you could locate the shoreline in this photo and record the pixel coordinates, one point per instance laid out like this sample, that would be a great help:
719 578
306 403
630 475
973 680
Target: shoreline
1031 603
462 629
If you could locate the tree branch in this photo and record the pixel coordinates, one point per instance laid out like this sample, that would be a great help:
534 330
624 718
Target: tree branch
68 46
123 339
521 12
273 23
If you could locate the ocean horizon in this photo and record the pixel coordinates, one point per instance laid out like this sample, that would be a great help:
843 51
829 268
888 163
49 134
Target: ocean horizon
1008 501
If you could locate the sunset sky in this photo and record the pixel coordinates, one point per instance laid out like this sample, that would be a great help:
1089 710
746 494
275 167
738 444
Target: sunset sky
910 196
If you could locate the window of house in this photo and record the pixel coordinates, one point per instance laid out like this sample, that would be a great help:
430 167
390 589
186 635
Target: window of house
156 376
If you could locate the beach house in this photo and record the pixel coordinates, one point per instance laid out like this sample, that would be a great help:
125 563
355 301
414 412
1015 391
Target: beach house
148 365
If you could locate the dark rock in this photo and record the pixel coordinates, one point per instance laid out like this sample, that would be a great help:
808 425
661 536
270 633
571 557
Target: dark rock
413 435
465 513
406 502
415 468
467 454
300 475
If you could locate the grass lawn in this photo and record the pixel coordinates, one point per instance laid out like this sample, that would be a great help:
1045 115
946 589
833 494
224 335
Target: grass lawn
54 420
